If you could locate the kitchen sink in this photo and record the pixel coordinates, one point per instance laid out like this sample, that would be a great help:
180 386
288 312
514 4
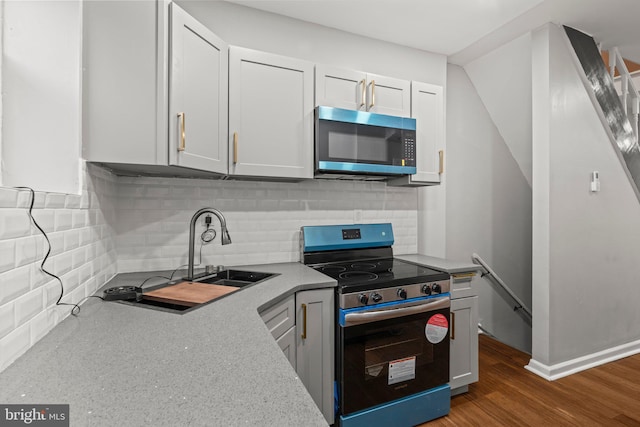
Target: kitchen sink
182 296
239 278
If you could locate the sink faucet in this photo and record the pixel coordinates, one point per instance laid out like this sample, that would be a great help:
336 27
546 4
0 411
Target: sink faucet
224 238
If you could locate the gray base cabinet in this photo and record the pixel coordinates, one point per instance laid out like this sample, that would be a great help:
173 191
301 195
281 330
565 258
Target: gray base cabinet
464 334
303 326
315 346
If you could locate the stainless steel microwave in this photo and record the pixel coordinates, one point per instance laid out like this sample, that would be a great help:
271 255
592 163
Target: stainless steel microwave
359 143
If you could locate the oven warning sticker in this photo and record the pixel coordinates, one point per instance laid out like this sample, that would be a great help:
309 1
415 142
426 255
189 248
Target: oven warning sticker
402 370
437 328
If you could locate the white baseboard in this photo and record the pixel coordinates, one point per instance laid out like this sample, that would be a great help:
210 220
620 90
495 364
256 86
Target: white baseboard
563 369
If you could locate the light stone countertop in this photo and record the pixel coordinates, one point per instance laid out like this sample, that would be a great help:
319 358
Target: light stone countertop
120 365
441 264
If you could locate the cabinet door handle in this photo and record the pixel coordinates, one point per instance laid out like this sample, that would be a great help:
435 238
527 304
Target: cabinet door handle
304 321
453 325
181 117
373 94
363 93
441 162
235 148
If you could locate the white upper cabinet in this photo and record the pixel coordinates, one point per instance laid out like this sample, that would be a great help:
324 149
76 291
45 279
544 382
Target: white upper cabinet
154 91
341 88
270 115
355 90
198 95
427 107
124 82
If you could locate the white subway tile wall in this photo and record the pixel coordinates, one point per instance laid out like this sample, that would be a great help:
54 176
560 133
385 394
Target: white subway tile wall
82 254
263 218
126 224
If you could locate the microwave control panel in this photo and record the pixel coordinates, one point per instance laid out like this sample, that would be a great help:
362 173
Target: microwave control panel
409 142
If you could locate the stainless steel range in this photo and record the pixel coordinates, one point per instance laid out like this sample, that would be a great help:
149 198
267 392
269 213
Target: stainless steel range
392 338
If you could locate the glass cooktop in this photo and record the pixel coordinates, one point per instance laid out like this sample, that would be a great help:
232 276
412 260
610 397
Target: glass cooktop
369 274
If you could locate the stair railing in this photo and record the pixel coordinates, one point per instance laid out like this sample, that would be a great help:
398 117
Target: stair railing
496 279
630 97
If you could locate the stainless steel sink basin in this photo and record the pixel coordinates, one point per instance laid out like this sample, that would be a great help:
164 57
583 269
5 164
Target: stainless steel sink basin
238 278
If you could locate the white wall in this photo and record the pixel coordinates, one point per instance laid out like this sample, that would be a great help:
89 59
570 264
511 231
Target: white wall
488 208
255 29
503 81
586 245
41 95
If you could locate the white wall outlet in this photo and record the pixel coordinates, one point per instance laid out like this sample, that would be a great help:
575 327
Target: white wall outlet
357 215
595 181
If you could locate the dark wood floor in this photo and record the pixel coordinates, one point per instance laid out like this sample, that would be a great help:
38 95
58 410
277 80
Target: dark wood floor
509 395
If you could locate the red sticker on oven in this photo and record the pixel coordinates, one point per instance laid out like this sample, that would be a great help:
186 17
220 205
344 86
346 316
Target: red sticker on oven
437 328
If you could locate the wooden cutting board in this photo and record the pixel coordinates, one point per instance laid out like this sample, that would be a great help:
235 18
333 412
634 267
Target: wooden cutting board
189 293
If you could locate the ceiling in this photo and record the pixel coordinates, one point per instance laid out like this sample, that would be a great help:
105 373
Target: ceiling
466 29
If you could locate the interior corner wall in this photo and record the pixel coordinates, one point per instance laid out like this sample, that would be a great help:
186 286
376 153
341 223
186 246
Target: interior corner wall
586 244
488 207
503 80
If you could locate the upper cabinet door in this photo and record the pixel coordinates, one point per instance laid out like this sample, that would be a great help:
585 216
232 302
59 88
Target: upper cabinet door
341 88
270 115
197 95
427 105
355 90
386 95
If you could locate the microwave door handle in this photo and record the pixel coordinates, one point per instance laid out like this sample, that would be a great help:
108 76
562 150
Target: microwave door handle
360 317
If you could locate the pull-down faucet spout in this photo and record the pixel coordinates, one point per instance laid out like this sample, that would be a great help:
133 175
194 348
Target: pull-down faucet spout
224 238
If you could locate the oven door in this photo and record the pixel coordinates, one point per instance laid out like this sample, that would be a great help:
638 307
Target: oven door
392 351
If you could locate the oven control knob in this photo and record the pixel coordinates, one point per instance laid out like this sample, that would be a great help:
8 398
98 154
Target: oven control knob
426 289
363 299
402 293
376 297
436 288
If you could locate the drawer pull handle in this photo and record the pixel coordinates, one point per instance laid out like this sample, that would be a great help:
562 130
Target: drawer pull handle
235 148
453 325
373 94
181 117
304 321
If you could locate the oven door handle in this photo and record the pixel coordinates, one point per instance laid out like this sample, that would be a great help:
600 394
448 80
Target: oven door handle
370 316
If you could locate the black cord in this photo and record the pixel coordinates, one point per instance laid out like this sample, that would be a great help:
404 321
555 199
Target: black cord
153 277
76 308
202 242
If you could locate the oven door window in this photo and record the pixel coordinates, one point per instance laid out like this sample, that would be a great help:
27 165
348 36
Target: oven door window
387 360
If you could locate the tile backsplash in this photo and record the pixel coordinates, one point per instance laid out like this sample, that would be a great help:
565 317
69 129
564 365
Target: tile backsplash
263 218
124 224
83 255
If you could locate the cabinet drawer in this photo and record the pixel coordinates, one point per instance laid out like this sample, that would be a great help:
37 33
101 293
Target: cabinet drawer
461 285
281 317
287 343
